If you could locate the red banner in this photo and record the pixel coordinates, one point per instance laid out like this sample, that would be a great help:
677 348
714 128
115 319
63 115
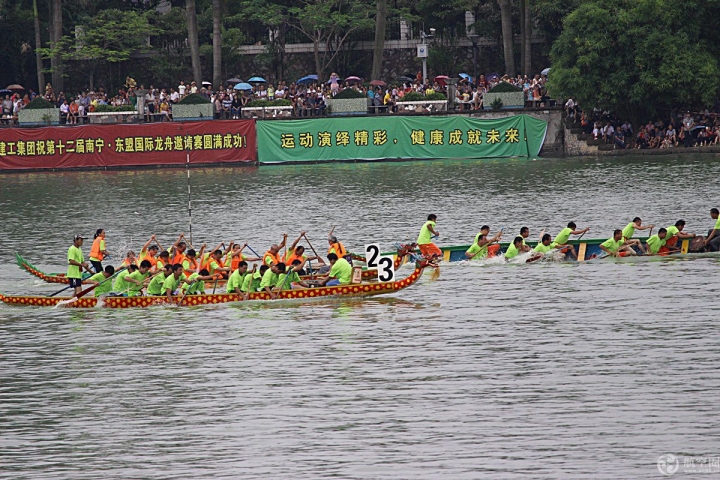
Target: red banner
128 144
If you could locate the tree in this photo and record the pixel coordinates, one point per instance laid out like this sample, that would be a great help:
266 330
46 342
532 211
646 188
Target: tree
527 37
379 45
329 23
217 44
619 56
110 37
38 46
192 28
507 34
56 65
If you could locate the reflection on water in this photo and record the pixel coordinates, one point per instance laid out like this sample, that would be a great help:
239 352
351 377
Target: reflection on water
535 370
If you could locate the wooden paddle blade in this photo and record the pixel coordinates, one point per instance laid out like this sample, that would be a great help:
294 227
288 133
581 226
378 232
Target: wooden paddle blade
435 274
581 252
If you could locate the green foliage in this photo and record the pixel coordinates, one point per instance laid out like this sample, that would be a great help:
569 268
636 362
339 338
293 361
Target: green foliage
440 59
280 102
496 104
194 99
349 93
435 96
111 108
419 97
39 103
505 87
638 58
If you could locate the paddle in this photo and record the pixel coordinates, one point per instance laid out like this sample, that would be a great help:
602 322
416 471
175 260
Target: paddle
90 289
256 254
187 290
313 249
85 276
215 286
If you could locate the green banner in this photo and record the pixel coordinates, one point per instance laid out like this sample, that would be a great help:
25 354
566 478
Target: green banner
370 138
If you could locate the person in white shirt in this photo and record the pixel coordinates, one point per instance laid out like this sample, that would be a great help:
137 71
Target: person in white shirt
608 132
181 89
174 96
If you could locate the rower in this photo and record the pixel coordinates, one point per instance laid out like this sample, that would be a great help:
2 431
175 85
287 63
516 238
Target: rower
480 249
617 246
712 242
272 256
190 264
297 252
130 259
340 272
337 248
120 286
236 256
493 248
675 233
252 282
629 231
525 233
656 243
135 281
76 262
195 283
514 248
294 282
97 251
172 282
162 260
270 278
424 240
236 279
214 265
562 238
155 287
100 280
545 244
178 252
148 252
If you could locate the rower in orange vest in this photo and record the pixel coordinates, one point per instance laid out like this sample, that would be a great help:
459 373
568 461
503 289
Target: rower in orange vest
214 265
149 252
336 247
235 256
297 252
272 256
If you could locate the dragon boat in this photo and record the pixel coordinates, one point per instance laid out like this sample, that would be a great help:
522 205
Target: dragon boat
341 291
367 274
584 249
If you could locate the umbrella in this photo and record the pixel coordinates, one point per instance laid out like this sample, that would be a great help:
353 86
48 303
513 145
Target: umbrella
465 76
307 79
207 83
353 79
441 79
5 91
403 78
15 86
545 72
257 80
492 75
378 83
234 80
243 86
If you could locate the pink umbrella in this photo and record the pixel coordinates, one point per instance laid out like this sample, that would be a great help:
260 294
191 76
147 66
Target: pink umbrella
353 79
441 79
378 83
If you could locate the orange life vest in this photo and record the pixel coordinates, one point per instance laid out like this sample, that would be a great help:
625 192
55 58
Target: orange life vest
153 261
339 249
275 257
235 263
292 257
193 264
179 258
95 250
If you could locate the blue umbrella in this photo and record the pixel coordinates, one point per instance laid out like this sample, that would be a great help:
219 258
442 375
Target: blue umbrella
243 86
465 76
307 79
545 72
257 80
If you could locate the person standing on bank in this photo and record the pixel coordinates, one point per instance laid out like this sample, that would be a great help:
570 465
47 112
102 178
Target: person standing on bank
97 251
76 263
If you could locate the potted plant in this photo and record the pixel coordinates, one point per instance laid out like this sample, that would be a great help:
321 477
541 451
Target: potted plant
509 96
193 107
348 102
39 112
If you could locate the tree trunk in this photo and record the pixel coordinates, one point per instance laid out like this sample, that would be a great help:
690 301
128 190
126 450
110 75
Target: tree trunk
527 40
38 46
192 28
379 45
521 5
55 35
217 45
507 33
316 51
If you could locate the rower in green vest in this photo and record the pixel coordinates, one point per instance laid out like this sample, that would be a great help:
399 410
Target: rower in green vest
657 242
480 249
563 237
155 285
236 279
616 245
514 249
675 233
712 242
101 280
195 283
545 244
251 283
629 231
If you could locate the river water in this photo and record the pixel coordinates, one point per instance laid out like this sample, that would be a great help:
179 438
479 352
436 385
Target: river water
540 370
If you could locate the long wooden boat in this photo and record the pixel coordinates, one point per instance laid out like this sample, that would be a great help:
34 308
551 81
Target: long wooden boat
585 249
342 291
367 274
